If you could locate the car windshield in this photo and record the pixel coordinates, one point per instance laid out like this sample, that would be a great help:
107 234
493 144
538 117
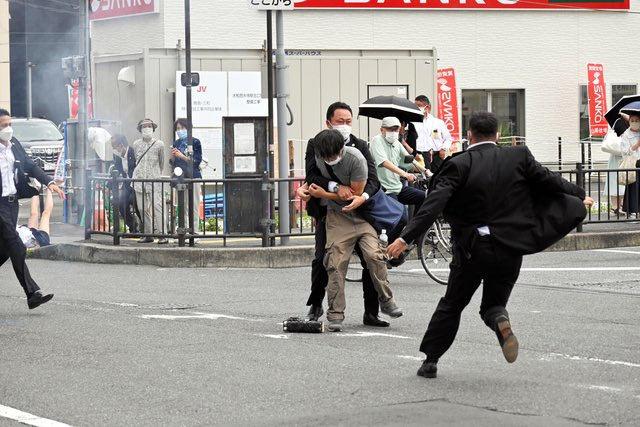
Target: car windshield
30 131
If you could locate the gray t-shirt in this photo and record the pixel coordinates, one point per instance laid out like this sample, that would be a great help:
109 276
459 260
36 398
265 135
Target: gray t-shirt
352 168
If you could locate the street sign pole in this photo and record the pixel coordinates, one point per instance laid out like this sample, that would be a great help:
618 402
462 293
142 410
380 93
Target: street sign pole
187 40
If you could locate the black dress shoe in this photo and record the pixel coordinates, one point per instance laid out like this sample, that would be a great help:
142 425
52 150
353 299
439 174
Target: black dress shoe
315 312
428 370
38 298
371 320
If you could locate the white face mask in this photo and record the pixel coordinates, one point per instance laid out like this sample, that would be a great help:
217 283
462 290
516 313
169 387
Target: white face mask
422 109
392 137
634 126
147 132
6 134
345 130
334 162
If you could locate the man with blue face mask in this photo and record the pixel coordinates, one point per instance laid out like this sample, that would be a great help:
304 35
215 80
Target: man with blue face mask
188 159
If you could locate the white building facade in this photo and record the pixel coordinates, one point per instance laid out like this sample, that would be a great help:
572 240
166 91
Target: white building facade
528 66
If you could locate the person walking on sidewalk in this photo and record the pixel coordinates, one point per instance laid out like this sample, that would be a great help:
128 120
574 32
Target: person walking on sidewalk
149 165
15 170
501 204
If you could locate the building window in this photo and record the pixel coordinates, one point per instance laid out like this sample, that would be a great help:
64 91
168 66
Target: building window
618 91
584 112
508 105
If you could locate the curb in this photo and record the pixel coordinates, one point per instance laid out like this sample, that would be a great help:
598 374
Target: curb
274 257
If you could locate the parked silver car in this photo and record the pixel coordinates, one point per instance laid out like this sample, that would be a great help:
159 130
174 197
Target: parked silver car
41 140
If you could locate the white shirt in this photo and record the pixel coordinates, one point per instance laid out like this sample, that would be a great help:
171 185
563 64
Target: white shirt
26 235
7 161
433 135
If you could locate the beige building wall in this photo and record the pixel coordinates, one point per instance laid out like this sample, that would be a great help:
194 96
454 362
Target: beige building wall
5 66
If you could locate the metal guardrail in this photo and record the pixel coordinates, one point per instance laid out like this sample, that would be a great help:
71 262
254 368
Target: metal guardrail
172 214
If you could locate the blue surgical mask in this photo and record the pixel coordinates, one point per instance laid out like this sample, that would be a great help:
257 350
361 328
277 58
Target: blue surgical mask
182 133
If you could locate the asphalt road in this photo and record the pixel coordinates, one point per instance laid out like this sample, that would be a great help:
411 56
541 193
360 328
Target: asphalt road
131 345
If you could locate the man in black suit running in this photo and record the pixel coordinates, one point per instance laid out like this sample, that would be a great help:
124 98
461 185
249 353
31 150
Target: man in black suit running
15 169
491 197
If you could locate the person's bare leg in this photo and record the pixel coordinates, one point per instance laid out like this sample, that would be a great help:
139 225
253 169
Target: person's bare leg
46 214
35 212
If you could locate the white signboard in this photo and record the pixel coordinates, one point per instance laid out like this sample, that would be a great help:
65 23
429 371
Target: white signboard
245 99
211 140
244 139
271 4
246 164
209 99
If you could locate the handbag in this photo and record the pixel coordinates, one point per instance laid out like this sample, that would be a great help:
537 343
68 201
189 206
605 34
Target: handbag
626 178
611 144
382 211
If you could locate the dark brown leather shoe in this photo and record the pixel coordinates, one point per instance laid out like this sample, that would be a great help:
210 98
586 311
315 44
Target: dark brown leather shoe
507 340
428 370
37 299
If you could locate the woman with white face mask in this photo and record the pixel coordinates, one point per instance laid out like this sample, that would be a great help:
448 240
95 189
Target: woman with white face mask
149 165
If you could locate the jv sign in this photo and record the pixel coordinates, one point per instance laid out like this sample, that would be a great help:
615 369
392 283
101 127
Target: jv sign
461 4
107 9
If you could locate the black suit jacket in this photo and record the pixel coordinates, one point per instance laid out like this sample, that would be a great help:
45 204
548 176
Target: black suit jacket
25 168
526 207
131 163
314 176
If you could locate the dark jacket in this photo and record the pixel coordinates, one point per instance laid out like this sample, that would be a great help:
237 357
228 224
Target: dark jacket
186 166
25 169
526 207
131 163
314 176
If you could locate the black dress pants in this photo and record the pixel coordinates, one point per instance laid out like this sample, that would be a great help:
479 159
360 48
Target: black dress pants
319 276
12 247
491 264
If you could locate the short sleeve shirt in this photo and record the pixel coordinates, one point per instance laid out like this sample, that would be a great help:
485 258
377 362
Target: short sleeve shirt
352 168
395 153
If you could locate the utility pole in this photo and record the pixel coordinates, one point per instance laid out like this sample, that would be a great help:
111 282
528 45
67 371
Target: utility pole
30 66
83 81
283 146
190 83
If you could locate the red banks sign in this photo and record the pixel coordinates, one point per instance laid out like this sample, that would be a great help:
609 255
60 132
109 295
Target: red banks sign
448 101
461 4
106 9
598 125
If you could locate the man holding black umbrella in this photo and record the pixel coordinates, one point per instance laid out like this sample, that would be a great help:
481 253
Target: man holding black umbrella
434 139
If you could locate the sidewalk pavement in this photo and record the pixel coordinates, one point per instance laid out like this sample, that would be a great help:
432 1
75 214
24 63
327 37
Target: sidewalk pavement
68 245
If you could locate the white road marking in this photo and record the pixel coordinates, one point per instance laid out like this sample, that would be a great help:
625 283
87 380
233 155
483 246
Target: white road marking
536 311
402 356
120 304
195 315
29 419
277 337
617 251
545 269
605 388
590 359
372 334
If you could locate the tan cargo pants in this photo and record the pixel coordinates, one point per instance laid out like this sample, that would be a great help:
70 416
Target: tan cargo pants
344 231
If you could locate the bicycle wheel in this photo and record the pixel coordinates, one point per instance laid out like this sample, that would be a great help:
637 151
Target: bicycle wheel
434 251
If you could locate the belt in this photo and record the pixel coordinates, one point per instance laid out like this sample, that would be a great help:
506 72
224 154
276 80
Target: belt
11 199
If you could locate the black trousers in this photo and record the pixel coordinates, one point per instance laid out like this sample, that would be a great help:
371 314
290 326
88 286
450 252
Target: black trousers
491 264
319 277
436 161
411 196
126 205
12 247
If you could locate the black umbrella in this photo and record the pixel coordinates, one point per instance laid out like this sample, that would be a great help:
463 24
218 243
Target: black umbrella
614 113
380 107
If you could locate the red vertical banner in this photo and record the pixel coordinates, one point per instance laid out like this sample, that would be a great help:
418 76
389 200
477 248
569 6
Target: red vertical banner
448 101
597 91
74 100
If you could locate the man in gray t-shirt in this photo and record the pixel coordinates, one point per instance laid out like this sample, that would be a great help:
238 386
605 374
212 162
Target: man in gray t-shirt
352 167
346 228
